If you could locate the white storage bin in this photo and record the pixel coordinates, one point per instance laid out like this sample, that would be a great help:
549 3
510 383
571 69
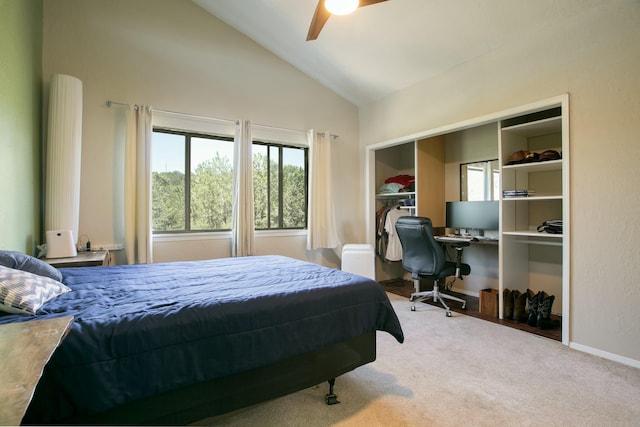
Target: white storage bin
359 259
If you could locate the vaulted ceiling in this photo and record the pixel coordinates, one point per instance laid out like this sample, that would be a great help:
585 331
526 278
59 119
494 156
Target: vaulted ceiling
392 45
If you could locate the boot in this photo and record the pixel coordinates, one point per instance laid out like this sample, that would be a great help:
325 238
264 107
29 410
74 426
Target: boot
519 306
507 307
544 320
532 304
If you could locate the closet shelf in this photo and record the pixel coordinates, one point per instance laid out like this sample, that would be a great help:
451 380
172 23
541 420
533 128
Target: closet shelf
532 198
532 233
549 165
403 195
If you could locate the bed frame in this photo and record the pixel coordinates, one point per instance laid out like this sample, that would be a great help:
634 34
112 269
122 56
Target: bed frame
247 388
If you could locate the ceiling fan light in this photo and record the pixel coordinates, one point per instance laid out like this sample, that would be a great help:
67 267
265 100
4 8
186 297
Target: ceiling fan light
341 7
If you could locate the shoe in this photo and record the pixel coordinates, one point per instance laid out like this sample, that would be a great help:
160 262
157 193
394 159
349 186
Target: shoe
545 302
532 304
507 307
519 306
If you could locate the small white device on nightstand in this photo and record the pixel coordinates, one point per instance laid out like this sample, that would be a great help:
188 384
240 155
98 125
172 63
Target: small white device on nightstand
60 244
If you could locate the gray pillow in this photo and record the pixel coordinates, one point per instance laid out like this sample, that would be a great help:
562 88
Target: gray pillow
24 292
20 261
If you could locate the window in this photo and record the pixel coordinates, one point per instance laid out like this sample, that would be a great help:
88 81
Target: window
479 181
192 183
192 178
280 185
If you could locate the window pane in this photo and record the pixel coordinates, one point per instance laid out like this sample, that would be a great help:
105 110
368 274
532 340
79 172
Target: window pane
260 187
274 187
168 182
293 188
211 184
475 184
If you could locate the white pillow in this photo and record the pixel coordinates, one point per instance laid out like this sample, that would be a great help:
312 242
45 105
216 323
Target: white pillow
24 292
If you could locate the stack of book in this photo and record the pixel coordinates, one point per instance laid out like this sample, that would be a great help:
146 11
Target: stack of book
518 193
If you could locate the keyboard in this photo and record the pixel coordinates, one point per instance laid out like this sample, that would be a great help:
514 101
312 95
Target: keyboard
453 238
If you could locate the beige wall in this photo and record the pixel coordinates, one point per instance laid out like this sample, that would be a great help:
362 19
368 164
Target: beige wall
174 56
143 52
595 57
20 123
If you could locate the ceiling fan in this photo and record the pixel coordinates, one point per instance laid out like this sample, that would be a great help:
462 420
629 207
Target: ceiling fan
321 16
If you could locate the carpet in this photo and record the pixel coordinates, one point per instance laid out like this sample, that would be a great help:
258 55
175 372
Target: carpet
462 371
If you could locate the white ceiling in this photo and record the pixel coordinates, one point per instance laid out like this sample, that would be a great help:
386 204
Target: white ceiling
385 47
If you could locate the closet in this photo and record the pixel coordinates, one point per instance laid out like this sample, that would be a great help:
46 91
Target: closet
392 201
530 193
423 159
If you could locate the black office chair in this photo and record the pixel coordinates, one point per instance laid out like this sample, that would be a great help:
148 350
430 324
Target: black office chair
424 258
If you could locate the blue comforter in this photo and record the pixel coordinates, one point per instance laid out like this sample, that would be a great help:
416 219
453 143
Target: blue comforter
141 330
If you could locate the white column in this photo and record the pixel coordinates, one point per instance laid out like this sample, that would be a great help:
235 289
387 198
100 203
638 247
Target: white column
64 139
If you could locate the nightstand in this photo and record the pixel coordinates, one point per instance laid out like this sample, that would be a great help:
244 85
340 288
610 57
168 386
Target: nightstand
83 259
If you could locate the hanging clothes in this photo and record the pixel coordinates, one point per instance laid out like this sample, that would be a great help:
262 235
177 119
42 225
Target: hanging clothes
394 247
381 235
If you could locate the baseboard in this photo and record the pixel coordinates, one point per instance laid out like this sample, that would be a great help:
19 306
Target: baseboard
466 292
605 355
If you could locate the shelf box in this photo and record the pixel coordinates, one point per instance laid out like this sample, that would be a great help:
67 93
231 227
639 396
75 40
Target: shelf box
489 302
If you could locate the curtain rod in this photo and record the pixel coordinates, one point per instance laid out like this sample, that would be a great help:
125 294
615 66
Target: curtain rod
194 116
278 128
291 130
120 104
331 135
135 106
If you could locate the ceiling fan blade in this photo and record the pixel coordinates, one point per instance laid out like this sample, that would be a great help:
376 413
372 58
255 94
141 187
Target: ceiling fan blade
364 3
320 18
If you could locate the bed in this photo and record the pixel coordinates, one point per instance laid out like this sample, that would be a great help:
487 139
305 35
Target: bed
173 343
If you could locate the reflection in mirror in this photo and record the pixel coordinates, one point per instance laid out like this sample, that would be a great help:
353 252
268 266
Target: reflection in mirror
479 180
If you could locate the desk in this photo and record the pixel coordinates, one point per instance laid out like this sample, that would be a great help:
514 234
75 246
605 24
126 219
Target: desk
470 240
482 256
25 348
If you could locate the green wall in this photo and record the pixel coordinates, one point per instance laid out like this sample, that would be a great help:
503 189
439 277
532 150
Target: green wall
20 124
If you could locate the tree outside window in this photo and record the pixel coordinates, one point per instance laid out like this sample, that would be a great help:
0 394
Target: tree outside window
200 200
280 185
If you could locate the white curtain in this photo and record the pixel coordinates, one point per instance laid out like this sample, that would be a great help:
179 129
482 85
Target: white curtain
137 203
242 241
322 224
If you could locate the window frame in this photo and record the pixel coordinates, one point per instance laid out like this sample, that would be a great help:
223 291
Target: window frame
188 134
281 146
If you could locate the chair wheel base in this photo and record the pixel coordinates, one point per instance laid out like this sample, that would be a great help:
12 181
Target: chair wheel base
448 313
413 308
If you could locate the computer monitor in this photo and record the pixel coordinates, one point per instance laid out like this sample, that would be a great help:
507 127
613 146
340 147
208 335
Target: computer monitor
476 215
